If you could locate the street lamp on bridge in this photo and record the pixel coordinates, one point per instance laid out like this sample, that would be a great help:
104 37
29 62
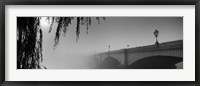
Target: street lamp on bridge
108 50
127 45
156 32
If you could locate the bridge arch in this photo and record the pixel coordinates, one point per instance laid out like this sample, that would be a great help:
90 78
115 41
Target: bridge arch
156 62
109 62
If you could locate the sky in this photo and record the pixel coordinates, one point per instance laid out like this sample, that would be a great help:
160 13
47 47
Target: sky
118 32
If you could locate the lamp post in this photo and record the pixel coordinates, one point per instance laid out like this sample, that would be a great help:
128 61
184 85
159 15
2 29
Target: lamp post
108 50
156 32
127 45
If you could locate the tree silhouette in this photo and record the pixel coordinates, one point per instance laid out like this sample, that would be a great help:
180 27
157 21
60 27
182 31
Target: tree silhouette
29 37
29 43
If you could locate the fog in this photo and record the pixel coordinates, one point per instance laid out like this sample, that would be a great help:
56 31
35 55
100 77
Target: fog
115 31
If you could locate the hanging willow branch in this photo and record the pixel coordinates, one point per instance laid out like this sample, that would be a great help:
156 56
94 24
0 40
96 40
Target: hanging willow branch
64 22
29 43
30 37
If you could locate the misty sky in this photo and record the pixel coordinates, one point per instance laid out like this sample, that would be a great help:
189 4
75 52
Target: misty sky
114 31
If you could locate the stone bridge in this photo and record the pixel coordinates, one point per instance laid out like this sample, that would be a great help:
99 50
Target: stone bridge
130 55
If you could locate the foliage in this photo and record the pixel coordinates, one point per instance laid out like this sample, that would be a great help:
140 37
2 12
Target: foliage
29 37
29 43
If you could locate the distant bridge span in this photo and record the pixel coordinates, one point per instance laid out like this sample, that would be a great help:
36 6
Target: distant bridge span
130 55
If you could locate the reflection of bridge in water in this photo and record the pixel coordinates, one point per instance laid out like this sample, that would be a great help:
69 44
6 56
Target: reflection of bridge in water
167 54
